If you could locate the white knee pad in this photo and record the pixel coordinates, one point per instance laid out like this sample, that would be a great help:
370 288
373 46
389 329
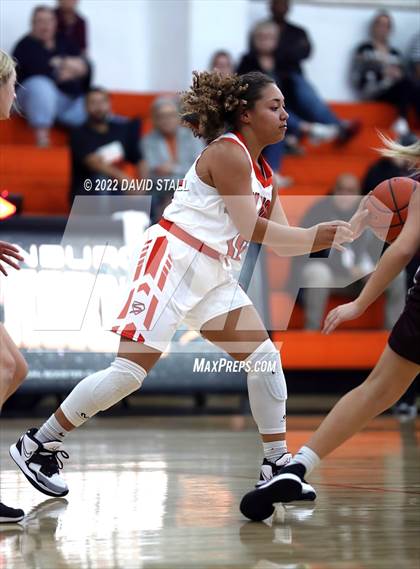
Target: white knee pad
267 389
102 389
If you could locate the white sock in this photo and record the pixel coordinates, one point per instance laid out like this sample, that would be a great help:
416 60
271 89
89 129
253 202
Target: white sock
307 457
51 430
274 450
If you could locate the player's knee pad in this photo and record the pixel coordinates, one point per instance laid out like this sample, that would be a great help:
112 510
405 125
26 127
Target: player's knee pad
267 389
102 389
124 378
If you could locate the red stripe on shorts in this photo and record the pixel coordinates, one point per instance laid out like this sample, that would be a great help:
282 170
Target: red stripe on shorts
164 275
150 312
129 331
124 311
145 287
141 259
155 256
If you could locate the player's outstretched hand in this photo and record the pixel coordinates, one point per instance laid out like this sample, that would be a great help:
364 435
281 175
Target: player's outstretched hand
7 253
340 314
360 220
332 234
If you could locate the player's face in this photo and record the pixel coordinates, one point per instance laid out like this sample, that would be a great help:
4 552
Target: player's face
268 118
7 96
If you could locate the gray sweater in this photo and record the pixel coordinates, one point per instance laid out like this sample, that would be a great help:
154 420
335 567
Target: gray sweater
156 151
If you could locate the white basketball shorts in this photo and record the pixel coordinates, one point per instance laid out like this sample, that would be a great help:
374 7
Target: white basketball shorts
173 283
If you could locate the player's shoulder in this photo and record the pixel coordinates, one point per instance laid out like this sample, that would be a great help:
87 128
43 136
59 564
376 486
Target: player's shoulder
226 153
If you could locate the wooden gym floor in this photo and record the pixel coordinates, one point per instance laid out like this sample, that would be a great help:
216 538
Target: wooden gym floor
161 493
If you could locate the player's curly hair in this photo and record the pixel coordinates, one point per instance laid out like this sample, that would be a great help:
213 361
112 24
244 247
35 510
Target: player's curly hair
213 103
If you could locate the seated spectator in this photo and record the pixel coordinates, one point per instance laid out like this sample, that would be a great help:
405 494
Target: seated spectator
378 71
70 24
222 61
293 47
53 76
169 150
101 146
262 57
323 278
385 168
414 70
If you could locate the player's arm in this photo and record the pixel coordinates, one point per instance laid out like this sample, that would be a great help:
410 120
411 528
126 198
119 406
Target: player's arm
276 212
229 169
392 262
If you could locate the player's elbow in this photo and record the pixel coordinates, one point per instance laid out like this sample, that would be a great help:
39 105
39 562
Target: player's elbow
405 251
249 229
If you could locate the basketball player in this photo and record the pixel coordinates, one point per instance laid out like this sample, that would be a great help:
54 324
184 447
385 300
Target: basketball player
397 367
13 368
184 272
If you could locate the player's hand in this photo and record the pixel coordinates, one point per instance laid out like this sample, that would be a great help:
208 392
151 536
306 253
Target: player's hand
7 253
360 219
332 234
341 314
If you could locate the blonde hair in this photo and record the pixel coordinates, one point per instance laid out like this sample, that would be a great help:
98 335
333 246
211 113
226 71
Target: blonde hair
393 149
7 66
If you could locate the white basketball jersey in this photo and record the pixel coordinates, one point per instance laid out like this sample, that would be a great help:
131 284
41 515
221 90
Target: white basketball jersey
200 210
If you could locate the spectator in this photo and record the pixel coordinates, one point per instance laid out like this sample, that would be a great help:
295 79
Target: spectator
262 57
102 145
223 62
378 71
414 70
321 278
385 168
53 76
169 151
293 47
70 24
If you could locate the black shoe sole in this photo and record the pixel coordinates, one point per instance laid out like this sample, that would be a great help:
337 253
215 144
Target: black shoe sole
257 505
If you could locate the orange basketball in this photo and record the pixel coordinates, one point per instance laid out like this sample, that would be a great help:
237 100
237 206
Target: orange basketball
395 194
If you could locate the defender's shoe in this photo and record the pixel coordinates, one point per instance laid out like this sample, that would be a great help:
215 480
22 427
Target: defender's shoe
271 469
10 515
285 486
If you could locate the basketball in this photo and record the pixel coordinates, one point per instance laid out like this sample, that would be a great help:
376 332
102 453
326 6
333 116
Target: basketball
395 194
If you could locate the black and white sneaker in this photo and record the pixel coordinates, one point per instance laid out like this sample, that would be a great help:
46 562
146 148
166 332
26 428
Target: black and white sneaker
285 486
10 515
41 463
271 469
